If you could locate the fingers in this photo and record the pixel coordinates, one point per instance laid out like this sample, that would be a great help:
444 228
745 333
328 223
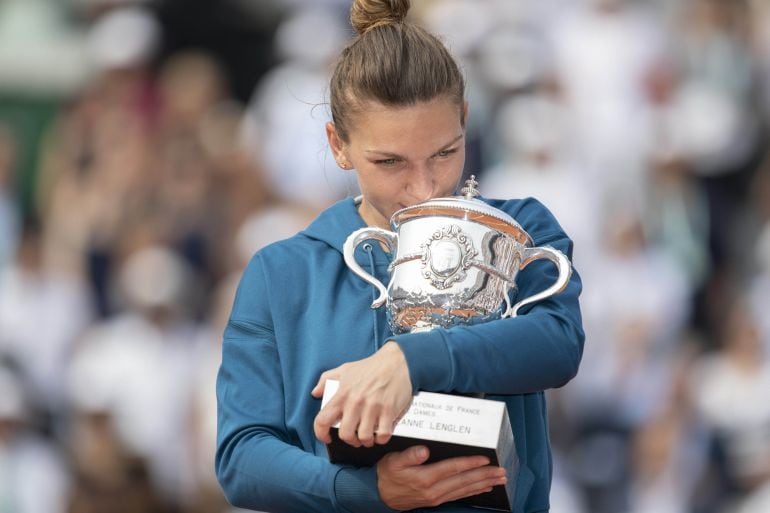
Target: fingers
318 389
351 433
365 433
349 423
356 420
469 483
362 421
384 431
372 393
464 477
376 424
405 482
452 466
323 422
410 457
330 413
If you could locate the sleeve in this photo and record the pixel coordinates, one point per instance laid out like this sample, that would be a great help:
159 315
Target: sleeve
257 464
539 349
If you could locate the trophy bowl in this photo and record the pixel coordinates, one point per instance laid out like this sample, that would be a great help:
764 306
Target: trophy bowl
455 262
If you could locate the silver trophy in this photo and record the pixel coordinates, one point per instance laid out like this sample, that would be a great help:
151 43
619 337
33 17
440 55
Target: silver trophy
456 260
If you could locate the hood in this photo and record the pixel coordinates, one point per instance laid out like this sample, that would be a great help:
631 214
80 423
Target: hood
333 227
335 223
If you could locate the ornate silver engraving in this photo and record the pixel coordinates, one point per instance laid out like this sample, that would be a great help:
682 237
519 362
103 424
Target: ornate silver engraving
446 256
415 310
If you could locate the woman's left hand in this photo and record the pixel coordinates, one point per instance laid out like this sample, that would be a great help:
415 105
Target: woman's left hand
372 395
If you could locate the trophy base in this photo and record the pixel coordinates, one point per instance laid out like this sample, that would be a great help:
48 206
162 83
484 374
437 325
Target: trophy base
450 426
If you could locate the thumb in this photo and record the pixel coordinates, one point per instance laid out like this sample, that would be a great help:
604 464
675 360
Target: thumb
416 455
318 389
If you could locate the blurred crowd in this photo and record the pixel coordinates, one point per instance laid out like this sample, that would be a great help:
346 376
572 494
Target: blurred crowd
128 213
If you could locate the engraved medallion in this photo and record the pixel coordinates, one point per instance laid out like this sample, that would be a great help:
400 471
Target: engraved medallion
446 256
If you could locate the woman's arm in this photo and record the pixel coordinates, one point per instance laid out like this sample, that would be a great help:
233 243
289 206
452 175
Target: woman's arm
257 463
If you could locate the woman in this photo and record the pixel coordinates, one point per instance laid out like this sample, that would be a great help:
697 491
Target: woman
301 317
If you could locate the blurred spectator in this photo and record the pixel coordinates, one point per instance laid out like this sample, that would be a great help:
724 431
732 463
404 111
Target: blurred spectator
203 184
205 494
730 389
604 52
757 277
758 297
717 126
42 311
269 225
565 497
138 367
669 450
633 320
759 34
41 52
107 477
9 208
678 210
33 474
236 189
97 156
284 124
716 76
537 162
191 84
756 502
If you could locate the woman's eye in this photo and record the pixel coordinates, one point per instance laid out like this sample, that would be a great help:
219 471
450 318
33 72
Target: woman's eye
386 162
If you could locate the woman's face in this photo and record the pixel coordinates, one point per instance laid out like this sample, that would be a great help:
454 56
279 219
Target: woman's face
402 155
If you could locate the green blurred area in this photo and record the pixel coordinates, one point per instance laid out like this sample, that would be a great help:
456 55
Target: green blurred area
28 118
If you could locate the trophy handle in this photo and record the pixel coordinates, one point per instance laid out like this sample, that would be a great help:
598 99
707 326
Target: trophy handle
565 272
390 240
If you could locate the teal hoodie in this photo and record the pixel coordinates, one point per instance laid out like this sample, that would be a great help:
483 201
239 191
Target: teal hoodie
300 311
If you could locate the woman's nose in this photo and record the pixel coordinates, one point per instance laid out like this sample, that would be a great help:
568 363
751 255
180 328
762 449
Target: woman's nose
420 183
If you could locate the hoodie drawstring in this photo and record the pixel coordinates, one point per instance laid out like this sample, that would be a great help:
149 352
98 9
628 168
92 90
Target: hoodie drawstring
369 251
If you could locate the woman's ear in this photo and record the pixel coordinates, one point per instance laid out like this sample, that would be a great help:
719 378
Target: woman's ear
337 146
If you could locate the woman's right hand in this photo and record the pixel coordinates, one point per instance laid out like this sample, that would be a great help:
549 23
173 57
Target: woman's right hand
405 482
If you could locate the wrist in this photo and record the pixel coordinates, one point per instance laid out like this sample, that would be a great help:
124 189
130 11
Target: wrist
428 360
393 351
391 346
357 490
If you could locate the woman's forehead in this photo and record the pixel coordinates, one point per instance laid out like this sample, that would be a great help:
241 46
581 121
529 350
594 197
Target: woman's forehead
437 121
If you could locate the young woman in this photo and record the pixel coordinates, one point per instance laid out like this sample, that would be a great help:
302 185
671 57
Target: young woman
301 316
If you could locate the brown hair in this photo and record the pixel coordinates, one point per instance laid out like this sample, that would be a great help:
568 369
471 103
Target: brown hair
391 61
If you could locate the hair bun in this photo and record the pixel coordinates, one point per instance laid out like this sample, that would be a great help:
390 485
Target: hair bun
367 14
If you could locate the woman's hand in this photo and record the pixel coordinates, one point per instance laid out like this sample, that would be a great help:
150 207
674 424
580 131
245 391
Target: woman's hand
373 393
404 483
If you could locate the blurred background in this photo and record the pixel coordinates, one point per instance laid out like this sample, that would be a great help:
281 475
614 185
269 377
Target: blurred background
149 147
